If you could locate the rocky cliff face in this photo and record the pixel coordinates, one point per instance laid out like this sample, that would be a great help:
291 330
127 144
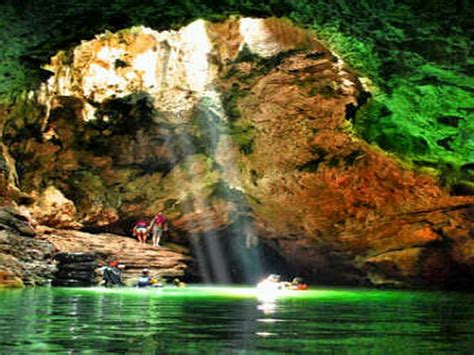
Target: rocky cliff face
108 247
23 258
239 131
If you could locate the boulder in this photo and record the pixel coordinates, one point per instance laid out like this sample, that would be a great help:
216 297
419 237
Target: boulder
52 209
22 256
14 221
9 280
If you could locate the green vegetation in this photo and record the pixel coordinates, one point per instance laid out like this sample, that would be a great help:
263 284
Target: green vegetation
260 65
417 53
230 99
418 56
243 134
87 189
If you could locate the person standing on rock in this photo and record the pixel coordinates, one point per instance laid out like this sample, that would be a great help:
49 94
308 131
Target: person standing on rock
157 226
140 231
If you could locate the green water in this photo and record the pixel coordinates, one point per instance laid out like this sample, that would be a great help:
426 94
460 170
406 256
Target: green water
223 320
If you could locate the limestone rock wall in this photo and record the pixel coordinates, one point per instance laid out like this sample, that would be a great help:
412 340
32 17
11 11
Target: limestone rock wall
243 124
23 258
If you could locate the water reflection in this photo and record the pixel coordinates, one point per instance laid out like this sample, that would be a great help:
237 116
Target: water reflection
209 320
267 307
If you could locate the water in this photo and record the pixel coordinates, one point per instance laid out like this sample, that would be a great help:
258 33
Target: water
232 320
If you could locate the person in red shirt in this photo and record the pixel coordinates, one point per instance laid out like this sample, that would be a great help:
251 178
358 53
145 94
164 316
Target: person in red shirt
298 284
157 226
140 231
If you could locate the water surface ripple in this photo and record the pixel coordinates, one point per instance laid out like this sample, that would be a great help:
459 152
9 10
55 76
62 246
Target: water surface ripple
233 320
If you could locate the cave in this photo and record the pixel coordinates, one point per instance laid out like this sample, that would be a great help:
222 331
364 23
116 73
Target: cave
233 144
235 177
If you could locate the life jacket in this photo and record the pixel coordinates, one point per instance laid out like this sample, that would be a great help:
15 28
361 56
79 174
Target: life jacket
144 281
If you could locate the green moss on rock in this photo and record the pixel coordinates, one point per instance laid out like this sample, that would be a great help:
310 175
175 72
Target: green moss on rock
86 189
243 133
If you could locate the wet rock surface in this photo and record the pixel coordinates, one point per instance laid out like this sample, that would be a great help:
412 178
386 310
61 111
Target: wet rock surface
23 258
102 248
75 269
12 221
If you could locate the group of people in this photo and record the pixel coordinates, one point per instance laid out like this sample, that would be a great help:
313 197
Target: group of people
273 282
112 277
157 226
146 280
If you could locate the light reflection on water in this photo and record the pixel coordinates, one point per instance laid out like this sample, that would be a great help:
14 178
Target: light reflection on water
233 320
